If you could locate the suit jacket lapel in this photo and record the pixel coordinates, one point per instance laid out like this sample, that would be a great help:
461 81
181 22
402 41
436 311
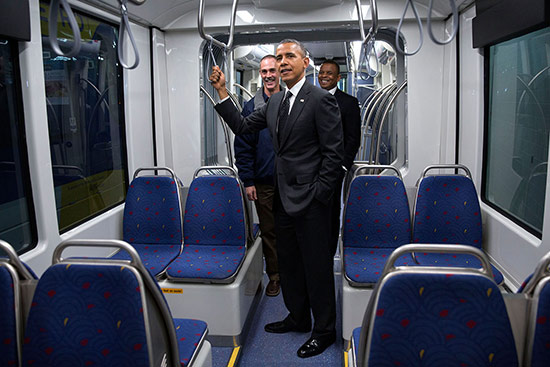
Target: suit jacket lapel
277 99
297 107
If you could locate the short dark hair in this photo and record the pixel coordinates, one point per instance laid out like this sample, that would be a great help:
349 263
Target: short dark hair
268 56
332 62
297 43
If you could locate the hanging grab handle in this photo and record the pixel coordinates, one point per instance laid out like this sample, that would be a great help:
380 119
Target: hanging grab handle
123 28
208 37
420 30
52 28
374 15
455 23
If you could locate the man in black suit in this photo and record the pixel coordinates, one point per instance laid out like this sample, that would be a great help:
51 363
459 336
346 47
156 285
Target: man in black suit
329 76
304 122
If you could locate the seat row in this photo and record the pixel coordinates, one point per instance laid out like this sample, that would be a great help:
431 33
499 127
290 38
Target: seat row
203 256
453 316
377 221
92 312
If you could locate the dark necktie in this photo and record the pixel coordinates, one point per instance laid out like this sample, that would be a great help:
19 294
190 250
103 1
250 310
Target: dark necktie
283 114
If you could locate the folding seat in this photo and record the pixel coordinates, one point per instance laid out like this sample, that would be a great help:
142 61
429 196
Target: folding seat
537 288
218 276
447 211
107 312
435 316
376 221
152 221
17 283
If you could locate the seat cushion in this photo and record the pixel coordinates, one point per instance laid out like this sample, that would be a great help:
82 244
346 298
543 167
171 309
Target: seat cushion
206 262
456 260
86 316
365 265
189 333
8 327
155 258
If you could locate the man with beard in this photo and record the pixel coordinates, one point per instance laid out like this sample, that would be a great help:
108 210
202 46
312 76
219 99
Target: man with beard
254 159
329 76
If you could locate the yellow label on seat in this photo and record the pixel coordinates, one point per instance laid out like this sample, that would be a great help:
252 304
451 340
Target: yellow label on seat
172 290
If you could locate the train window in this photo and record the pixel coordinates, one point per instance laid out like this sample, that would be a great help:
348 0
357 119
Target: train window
17 225
518 122
86 120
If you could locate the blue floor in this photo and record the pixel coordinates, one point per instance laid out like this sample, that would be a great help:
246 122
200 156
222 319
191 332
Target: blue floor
263 349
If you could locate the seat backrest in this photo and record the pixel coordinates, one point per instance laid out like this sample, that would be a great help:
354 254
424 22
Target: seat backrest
95 312
9 332
447 211
376 213
538 338
214 212
435 319
17 282
152 213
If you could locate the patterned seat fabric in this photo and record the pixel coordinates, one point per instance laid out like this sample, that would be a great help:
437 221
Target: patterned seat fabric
447 211
441 320
541 342
86 316
365 265
214 228
376 222
8 327
189 333
152 221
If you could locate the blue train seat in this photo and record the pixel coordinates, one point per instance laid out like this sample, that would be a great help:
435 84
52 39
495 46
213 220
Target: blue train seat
447 211
435 316
215 231
152 221
15 279
218 276
376 221
107 312
537 288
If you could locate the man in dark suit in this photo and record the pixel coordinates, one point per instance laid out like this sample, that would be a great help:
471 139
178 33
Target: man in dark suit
304 122
329 76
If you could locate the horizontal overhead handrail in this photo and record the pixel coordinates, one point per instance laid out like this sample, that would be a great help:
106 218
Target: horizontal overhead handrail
208 37
52 28
125 28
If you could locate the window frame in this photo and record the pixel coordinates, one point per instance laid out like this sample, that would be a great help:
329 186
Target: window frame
486 97
23 149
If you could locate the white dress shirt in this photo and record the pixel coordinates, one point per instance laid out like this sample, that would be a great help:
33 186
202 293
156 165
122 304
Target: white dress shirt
333 90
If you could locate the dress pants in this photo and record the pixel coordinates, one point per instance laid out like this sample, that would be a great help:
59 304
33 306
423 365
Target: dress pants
306 266
264 208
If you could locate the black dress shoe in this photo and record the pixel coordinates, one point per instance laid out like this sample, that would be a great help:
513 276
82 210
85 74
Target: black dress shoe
285 326
316 345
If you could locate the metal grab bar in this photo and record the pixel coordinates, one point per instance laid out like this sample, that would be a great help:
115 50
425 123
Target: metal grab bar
380 103
208 37
455 23
446 166
420 30
388 107
124 27
155 169
243 89
14 260
225 130
52 28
